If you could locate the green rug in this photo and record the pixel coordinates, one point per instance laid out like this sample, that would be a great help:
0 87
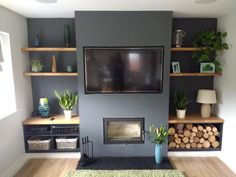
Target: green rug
126 173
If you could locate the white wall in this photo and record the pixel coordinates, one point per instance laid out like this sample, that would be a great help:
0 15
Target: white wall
226 89
11 135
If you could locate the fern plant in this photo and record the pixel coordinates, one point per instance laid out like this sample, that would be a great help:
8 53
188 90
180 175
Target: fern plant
209 43
68 100
157 135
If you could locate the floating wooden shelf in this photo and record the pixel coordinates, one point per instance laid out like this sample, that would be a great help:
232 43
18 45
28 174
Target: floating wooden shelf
49 49
194 74
195 118
58 119
49 74
185 49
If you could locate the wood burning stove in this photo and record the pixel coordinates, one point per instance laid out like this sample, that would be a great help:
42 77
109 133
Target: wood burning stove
123 130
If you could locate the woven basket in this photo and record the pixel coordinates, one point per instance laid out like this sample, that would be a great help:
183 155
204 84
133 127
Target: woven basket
38 144
66 143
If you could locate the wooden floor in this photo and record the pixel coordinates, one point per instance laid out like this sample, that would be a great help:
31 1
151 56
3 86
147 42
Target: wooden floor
193 167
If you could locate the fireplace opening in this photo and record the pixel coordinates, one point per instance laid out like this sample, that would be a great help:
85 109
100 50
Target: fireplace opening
123 130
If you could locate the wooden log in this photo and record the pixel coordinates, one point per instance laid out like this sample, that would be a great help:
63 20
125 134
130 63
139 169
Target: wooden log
172 145
199 145
177 146
187 133
212 138
215 144
216 133
206 144
185 140
181 135
171 138
189 126
188 146
204 130
178 140
193 134
210 133
196 140
171 131
180 126
182 145
176 135
205 135
208 128
194 129
193 145
180 131
214 129
202 140
200 128
191 141
199 134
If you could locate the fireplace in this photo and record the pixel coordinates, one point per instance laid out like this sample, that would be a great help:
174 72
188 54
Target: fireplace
123 130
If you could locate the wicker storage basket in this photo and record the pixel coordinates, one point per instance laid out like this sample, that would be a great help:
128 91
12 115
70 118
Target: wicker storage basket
39 144
66 143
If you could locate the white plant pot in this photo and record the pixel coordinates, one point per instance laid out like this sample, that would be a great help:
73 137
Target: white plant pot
180 113
68 114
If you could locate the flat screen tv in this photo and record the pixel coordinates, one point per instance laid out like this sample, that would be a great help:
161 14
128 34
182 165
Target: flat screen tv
123 69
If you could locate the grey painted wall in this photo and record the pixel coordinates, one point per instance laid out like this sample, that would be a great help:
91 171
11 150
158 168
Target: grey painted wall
193 26
122 29
51 34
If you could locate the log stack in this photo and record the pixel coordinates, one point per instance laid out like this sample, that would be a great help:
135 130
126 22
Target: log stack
187 136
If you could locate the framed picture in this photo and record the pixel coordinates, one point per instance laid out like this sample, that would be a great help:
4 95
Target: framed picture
207 68
175 67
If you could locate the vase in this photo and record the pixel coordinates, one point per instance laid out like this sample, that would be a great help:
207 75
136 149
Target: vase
54 64
36 40
68 114
67 35
158 153
43 107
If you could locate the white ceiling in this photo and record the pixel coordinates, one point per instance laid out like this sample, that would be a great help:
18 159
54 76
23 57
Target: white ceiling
66 8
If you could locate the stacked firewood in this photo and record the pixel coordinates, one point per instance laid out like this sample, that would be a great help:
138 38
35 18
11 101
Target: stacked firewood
193 136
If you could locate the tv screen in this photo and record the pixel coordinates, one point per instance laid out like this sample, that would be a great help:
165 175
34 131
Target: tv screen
123 69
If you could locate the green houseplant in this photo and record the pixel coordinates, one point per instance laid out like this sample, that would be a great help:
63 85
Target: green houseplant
67 101
158 136
36 65
181 102
209 43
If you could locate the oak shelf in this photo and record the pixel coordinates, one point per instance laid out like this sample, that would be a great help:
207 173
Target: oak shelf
194 74
195 118
49 74
49 49
185 49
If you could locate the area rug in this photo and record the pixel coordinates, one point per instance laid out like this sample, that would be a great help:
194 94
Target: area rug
125 173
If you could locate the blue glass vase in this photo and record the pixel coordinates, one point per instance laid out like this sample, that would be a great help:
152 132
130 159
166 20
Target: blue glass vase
158 153
43 107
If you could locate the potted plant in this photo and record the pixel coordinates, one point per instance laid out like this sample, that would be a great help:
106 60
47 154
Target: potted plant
180 102
36 65
67 101
158 136
209 43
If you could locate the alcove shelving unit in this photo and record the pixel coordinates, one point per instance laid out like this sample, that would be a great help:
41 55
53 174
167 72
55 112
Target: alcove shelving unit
49 49
190 49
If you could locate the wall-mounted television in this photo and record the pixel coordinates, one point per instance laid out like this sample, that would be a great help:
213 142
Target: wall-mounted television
123 69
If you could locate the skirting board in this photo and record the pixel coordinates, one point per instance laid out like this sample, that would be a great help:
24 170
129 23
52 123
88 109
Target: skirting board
15 167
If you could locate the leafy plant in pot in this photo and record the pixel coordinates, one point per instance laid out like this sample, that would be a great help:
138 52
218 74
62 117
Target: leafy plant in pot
158 136
210 42
36 65
181 102
67 101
